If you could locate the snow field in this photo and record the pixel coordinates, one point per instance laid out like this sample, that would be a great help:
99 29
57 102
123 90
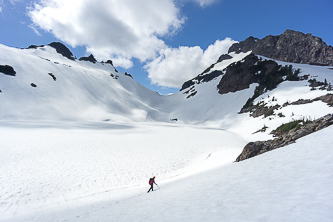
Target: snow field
82 148
287 184
41 167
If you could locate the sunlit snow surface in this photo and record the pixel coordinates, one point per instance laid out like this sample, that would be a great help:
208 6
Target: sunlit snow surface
83 147
101 175
48 165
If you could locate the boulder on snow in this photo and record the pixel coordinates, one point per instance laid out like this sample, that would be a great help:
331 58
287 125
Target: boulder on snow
53 76
7 70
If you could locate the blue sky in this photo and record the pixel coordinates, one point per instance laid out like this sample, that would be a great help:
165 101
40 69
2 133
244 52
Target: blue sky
162 43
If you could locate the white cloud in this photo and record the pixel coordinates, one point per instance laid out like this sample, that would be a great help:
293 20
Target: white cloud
1 5
174 66
127 29
202 3
110 28
34 29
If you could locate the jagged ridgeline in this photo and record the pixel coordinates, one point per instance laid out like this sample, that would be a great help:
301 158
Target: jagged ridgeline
260 66
290 46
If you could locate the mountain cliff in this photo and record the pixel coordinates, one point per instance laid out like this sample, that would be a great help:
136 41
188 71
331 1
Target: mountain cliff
290 46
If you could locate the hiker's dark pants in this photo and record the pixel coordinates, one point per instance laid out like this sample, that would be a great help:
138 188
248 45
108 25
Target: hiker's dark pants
151 188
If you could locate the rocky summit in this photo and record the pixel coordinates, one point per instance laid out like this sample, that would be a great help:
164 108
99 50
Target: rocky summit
290 46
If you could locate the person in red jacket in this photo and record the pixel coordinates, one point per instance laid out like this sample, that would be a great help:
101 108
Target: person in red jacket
151 183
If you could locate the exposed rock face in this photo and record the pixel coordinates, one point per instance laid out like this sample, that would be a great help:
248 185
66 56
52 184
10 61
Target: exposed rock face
261 109
251 69
291 46
129 75
109 62
91 58
34 46
201 78
327 99
204 77
238 76
223 57
53 76
7 70
266 111
255 148
62 49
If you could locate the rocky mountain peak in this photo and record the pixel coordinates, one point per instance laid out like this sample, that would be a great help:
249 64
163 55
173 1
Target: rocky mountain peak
290 46
62 49
90 58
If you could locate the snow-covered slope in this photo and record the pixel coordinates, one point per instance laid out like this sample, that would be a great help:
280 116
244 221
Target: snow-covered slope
82 143
80 91
84 91
293 183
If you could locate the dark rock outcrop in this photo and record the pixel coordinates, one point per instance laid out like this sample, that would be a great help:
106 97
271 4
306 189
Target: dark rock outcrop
90 58
63 50
114 76
326 99
129 75
255 148
223 57
261 108
53 76
108 62
251 69
204 77
291 46
7 70
35 46
266 111
201 78
238 76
